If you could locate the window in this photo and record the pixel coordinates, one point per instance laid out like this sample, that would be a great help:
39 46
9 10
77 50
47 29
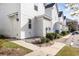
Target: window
35 7
57 31
49 28
29 24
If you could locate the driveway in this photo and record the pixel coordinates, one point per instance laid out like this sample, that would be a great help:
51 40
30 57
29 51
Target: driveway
74 39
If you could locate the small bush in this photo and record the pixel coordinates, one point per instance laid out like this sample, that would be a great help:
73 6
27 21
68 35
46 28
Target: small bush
50 36
63 33
47 40
44 40
67 32
2 37
58 36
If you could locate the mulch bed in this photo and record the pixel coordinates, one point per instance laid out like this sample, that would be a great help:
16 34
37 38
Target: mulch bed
12 52
45 44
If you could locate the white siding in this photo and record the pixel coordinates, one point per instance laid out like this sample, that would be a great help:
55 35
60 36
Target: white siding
38 26
5 22
46 24
28 12
10 27
55 18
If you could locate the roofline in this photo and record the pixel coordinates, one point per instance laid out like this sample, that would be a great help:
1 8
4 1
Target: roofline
45 17
49 5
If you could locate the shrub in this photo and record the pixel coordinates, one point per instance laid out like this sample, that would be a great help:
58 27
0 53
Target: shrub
58 36
2 37
44 40
67 32
64 33
47 40
50 36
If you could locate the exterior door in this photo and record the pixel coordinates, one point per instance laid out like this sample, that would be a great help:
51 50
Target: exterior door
14 26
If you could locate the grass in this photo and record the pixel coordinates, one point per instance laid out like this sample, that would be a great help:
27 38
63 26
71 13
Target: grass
68 51
7 44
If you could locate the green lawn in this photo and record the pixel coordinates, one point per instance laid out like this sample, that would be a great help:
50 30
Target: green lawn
7 44
68 51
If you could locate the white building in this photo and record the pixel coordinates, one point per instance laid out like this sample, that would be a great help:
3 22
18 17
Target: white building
28 19
62 20
52 12
9 24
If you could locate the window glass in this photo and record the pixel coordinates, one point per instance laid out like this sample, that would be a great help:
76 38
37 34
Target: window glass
35 7
29 25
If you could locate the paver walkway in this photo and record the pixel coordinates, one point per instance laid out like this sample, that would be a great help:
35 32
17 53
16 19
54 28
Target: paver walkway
26 45
41 51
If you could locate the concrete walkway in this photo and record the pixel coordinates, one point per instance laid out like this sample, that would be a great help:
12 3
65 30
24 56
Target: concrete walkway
41 51
47 51
63 39
26 45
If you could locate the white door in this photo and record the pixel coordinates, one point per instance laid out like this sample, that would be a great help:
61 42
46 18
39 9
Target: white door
14 26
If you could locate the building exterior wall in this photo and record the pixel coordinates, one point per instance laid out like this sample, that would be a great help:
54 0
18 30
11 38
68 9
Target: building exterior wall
61 20
65 28
56 21
46 24
28 12
5 22
55 18
38 27
9 25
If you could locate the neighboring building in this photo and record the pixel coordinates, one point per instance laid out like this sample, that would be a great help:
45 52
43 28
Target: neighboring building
65 27
52 12
62 21
28 20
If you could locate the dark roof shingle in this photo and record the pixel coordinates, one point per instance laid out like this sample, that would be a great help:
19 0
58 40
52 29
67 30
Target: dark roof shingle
49 5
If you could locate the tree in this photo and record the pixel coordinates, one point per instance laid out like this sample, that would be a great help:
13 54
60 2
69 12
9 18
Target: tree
72 25
74 7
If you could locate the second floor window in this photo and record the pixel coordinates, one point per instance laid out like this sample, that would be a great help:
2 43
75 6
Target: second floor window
35 7
29 24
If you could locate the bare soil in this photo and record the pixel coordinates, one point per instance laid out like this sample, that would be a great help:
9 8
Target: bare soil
12 52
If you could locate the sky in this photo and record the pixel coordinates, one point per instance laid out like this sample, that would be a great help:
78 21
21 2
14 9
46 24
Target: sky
66 12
